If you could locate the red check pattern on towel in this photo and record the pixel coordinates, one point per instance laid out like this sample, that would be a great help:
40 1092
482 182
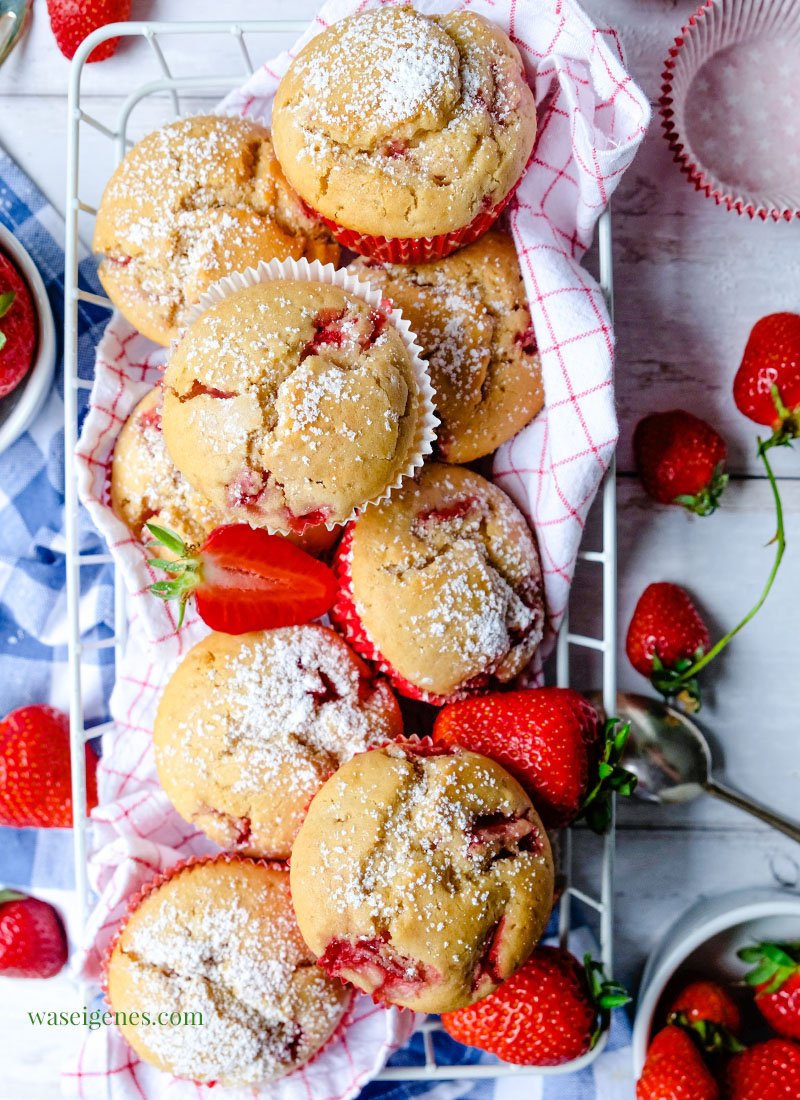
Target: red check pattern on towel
591 119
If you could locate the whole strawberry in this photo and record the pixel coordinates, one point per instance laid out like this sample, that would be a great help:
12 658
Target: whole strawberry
32 940
710 1013
777 982
675 1070
549 1012
706 1002
766 1071
767 384
35 777
665 637
72 20
551 740
681 460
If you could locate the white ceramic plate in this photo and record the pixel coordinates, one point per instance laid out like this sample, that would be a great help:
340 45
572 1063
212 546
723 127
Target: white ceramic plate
19 408
704 940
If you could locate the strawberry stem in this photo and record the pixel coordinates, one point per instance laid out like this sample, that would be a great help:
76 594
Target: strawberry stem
688 674
604 994
706 500
788 424
185 571
612 777
6 301
714 1038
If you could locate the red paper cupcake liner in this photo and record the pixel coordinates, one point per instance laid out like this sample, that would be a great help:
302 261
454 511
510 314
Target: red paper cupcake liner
347 620
417 250
718 25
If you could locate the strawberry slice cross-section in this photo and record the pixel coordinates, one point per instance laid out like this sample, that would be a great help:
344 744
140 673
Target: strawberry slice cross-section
242 579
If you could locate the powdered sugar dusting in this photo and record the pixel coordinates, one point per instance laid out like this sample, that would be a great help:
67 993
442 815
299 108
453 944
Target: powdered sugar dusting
224 947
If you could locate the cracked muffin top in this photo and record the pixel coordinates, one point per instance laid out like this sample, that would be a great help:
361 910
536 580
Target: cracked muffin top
423 877
191 202
441 586
146 486
289 404
250 726
219 938
470 315
400 124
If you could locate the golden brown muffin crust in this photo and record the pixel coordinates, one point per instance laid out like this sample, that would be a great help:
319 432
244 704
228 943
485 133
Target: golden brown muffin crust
470 315
291 402
191 202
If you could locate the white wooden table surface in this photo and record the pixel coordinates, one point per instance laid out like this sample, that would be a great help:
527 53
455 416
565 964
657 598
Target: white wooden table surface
691 279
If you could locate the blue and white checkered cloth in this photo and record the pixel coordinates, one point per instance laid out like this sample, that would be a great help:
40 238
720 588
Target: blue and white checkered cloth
33 646
33 620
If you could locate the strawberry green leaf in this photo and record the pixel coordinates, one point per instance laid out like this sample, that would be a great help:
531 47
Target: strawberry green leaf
706 501
6 301
2 340
776 963
167 538
612 778
712 1037
604 993
10 895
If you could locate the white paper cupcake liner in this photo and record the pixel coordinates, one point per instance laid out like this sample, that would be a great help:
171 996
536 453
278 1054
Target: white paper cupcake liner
730 101
316 272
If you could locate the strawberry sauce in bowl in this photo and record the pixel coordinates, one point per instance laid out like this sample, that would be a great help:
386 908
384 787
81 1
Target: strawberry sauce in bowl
27 354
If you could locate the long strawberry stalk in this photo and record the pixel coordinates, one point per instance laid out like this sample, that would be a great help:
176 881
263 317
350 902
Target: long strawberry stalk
780 540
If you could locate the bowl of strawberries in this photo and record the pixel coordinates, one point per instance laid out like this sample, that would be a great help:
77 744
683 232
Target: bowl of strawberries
27 340
719 1006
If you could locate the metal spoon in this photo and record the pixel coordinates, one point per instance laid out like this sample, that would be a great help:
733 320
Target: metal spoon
13 18
670 756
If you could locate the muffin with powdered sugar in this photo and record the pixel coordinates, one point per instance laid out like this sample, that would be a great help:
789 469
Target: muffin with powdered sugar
406 132
250 726
441 586
217 939
422 875
188 204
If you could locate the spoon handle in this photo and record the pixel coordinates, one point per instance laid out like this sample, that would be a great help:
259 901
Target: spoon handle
790 828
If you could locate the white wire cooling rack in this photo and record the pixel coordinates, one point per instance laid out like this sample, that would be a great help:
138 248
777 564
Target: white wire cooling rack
152 73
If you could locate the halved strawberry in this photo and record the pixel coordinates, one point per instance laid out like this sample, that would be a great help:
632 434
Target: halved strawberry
243 579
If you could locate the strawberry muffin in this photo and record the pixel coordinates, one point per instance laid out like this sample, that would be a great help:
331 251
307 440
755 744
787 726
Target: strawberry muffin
218 939
251 725
146 486
406 132
470 315
289 404
441 586
191 202
421 875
